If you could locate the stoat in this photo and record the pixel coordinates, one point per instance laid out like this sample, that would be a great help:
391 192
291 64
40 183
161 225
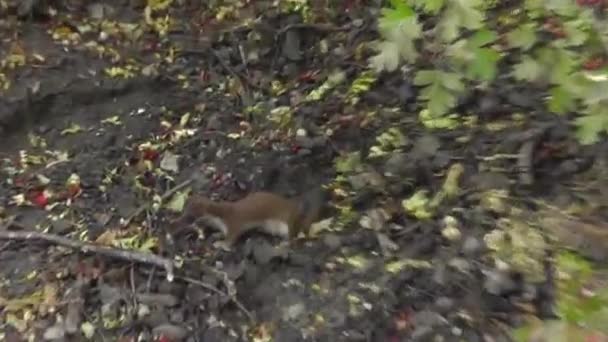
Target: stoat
266 211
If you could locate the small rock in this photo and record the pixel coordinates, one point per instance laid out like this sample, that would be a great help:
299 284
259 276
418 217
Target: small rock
158 299
489 104
88 330
530 292
320 226
61 226
451 233
292 312
98 10
291 46
421 333
305 142
176 316
335 319
263 252
497 282
213 123
460 264
154 318
43 129
440 274
169 162
26 7
490 180
300 259
170 332
54 332
149 70
386 244
339 51
444 304
103 36
426 146
471 246
143 311
286 333
332 241
304 152
397 163
364 179
520 99
102 218
375 219
428 318
215 334
406 92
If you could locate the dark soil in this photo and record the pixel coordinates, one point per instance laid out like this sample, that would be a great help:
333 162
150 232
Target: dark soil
333 287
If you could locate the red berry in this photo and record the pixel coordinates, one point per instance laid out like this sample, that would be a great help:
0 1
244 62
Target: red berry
593 63
39 198
150 154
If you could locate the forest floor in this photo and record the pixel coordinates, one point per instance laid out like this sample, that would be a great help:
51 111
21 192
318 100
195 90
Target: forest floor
100 120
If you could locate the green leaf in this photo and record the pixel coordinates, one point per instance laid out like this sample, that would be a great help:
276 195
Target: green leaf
483 67
468 11
425 77
448 27
597 91
429 6
564 8
440 101
451 81
400 28
561 101
534 8
391 20
522 37
589 127
348 163
575 33
439 92
399 12
482 38
527 70
580 86
560 62
459 51
460 14
177 202
388 57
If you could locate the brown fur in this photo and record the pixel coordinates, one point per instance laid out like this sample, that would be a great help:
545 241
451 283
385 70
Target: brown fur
257 207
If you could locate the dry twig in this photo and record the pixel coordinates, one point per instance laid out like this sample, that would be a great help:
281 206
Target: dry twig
163 198
85 247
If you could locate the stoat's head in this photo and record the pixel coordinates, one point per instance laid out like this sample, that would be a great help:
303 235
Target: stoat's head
196 207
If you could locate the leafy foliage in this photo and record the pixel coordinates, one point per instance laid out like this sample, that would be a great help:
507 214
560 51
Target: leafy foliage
574 308
462 48
439 89
460 14
400 27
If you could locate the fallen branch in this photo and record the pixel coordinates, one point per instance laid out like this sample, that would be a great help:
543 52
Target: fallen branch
163 198
85 247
